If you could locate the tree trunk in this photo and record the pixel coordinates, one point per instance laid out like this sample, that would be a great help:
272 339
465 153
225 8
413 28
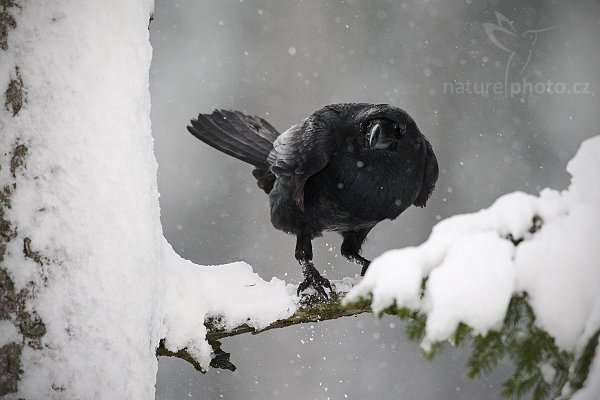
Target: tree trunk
80 230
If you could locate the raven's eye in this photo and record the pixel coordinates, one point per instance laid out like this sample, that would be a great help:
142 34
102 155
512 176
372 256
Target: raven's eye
382 133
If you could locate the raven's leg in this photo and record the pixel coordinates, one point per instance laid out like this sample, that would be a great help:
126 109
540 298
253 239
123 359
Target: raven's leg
312 277
353 241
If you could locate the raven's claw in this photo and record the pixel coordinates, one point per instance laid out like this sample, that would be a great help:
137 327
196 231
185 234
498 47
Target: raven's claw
313 279
364 268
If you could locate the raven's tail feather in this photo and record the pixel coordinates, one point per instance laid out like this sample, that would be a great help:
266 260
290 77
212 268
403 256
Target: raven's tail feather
244 137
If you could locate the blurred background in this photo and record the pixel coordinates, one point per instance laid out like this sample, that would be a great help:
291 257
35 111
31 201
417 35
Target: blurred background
435 59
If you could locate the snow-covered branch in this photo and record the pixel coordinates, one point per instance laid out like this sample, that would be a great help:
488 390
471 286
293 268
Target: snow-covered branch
207 303
538 252
312 309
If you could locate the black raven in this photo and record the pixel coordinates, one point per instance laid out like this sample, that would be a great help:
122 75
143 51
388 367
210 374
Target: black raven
345 168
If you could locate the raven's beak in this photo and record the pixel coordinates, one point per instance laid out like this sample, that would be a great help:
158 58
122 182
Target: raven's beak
374 135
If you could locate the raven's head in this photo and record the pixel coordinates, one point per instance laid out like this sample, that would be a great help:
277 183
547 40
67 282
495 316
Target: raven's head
376 132
383 127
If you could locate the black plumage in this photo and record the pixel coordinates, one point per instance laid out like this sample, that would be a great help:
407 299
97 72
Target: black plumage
345 168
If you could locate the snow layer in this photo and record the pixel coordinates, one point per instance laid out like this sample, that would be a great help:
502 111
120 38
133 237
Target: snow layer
86 197
232 294
474 269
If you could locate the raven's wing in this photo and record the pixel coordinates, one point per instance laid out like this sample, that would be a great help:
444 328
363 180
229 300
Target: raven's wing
245 137
430 176
302 151
256 124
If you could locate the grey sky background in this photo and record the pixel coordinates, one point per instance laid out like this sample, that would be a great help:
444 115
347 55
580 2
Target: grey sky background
284 60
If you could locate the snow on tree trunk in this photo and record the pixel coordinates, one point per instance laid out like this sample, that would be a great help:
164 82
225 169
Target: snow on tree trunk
80 240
